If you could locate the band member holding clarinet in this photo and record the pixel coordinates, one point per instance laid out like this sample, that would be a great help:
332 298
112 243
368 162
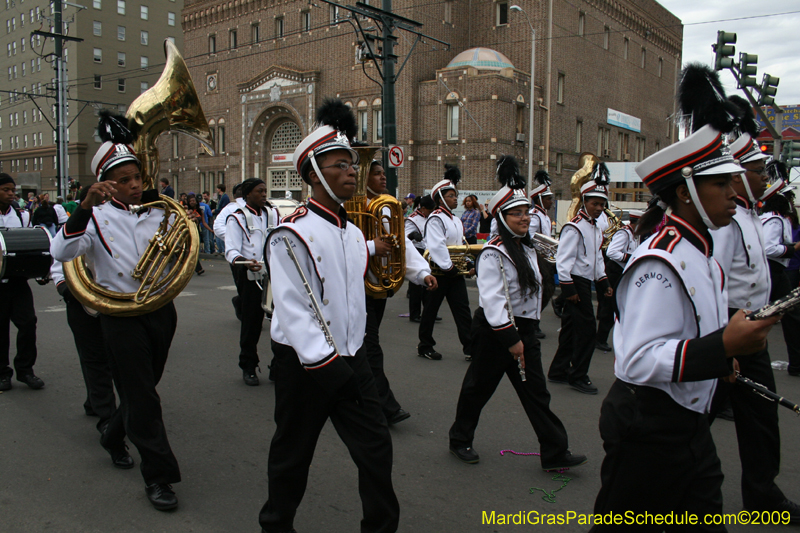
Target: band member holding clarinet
443 229
246 231
673 339
739 249
542 202
418 297
16 303
113 238
579 262
622 245
317 261
504 330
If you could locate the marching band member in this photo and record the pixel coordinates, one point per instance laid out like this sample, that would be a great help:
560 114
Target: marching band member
415 228
16 303
113 239
619 251
443 229
313 380
739 249
542 202
246 231
219 232
417 272
671 342
501 342
579 262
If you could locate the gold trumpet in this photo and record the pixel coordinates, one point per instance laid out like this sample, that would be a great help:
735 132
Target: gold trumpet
376 223
462 255
167 265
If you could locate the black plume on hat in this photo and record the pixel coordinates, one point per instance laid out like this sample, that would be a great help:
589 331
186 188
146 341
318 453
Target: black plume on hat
542 178
776 169
747 124
701 96
334 113
452 173
114 127
508 173
600 174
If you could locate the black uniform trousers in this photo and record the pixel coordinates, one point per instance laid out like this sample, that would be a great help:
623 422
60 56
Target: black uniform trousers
252 318
139 346
237 300
783 282
576 339
302 407
418 297
454 288
16 306
490 360
372 344
660 458
94 359
757 431
605 306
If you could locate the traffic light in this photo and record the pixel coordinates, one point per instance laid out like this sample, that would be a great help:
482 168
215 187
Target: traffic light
747 70
791 153
769 86
724 50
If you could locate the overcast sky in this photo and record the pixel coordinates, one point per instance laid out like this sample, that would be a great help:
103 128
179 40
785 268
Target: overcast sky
776 40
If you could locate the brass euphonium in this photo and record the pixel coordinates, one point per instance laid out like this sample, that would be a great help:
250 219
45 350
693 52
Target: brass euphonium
168 263
376 224
461 255
587 162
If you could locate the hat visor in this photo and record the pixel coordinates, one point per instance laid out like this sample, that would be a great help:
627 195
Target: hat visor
128 158
725 168
755 157
596 195
331 147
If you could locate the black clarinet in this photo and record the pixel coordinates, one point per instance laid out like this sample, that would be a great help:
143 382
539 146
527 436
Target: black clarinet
781 306
761 390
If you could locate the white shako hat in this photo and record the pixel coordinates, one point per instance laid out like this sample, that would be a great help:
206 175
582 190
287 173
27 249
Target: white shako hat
592 188
117 147
743 145
542 179
452 175
336 127
778 176
512 194
746 150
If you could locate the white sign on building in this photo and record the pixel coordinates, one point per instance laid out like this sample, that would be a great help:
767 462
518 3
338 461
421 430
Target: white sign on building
620 119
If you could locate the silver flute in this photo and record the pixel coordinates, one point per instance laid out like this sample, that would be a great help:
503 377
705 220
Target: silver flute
510 312
314 303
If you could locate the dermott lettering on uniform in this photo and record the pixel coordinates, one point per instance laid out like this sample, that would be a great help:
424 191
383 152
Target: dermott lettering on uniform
661 278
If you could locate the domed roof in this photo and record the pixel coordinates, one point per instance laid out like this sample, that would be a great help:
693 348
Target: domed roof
481 59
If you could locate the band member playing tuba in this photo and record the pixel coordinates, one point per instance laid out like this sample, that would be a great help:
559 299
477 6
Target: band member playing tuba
504 330
246 232
320 367
113 237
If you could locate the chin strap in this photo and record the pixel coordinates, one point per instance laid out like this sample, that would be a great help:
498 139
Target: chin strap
373 192
322 179
696 199
514 233
750 196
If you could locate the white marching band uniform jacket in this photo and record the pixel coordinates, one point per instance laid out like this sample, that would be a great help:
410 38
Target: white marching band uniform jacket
491 292
540 222
222 216
247 242
443 229
416 267
579 253
15 218
777 238
740 249
622 245
113 239
333 255
672 303
416 222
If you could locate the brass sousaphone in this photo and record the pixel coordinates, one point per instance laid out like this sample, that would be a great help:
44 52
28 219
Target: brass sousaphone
167 265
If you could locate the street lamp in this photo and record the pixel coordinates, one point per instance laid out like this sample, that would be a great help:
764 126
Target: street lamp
530 100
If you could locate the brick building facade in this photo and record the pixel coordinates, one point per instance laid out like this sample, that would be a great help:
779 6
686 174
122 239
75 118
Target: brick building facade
263 66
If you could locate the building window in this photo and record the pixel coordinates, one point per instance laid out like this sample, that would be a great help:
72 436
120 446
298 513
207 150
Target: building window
363 131
255 33
335 16
453 115
121 59
232 41
170 19
578 136
144 62
377 121
660 66
625 43
606 37
120 7
143 86
448 11
644 57
221 137
501 13
560 88
279 27
97 28
306 17
98 55
641 152
559 163
121 85
98 82
97 4
144 12
603 135
212 44
174 145
581 23
144 37
120 33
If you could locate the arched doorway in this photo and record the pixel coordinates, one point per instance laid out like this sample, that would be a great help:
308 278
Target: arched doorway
280 141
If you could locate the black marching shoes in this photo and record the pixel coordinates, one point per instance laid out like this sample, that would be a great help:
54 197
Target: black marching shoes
31 380
465 455
161 496
567 460
118 451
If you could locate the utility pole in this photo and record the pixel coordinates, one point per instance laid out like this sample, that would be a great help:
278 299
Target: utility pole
385 62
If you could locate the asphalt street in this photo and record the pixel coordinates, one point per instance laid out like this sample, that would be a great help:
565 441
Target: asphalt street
54 476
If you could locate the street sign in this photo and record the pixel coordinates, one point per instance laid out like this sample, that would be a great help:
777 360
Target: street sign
396 156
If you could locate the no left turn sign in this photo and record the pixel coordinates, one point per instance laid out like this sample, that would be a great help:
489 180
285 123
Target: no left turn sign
396 156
